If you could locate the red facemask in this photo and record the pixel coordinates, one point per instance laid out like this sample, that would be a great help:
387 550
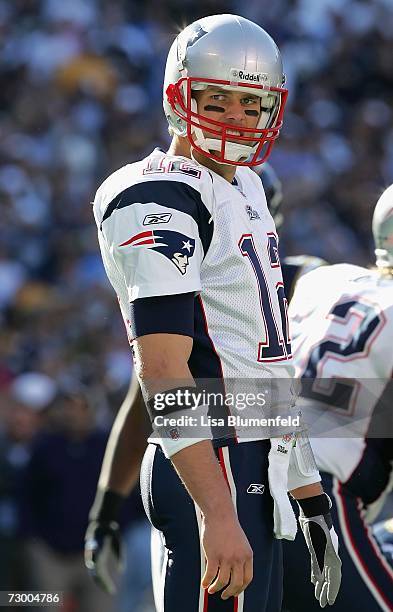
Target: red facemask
259 140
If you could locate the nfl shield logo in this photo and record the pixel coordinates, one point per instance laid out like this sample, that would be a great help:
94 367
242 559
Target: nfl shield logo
174 433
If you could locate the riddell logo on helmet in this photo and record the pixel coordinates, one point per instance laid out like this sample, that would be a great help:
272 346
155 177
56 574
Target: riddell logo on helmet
253 77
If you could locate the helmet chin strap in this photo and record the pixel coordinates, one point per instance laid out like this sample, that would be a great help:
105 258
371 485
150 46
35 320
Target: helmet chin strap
233 151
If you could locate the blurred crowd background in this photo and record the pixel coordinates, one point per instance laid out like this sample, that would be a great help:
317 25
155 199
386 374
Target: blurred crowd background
80 95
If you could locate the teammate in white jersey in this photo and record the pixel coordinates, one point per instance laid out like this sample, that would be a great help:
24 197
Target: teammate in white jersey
192 253
342 330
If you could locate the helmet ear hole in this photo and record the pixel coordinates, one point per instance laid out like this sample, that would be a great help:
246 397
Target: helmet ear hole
176 124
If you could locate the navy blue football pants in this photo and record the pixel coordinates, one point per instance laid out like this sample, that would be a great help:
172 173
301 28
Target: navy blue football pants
367 578
172 511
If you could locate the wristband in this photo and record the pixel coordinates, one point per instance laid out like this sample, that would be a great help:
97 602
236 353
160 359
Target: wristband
177 421
170 447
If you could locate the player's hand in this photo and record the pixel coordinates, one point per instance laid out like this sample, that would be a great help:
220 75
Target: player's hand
322 543
229 557
103 551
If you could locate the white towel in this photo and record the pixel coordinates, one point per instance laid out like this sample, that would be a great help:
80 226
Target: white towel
285 524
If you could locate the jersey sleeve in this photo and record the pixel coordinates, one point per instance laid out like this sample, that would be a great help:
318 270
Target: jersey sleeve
156 232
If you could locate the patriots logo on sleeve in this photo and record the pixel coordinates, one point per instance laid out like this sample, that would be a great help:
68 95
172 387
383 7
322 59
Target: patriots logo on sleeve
177 247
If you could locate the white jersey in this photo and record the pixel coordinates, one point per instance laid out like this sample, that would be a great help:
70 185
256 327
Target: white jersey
168 225
341 320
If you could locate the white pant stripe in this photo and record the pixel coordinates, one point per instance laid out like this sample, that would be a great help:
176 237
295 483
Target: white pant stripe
159 561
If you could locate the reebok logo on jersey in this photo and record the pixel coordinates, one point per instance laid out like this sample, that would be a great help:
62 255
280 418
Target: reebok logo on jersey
154 219
253 214
256 489
177 247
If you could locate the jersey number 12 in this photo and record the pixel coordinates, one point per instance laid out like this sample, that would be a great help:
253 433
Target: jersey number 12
277 343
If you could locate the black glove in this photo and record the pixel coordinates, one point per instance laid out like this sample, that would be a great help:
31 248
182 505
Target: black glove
321 539
103 548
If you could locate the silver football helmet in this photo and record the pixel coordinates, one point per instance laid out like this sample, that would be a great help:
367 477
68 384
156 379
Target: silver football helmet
236 54
383 229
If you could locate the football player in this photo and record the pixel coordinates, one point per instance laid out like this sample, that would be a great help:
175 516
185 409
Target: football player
342 328
128 439
192 253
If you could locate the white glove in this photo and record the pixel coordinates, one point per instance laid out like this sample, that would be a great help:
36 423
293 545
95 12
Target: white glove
322 542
